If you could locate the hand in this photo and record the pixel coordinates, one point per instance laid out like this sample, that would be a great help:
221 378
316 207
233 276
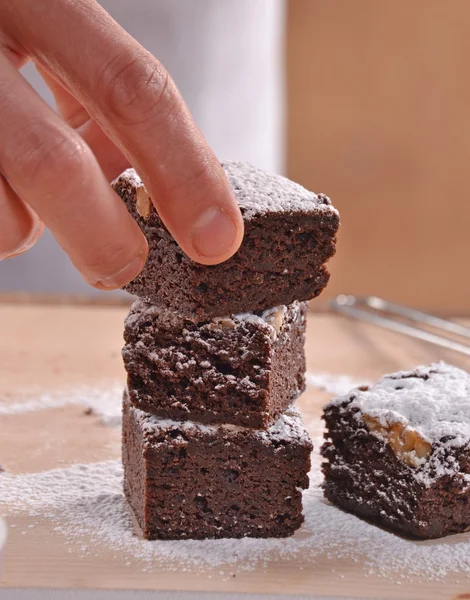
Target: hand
118 107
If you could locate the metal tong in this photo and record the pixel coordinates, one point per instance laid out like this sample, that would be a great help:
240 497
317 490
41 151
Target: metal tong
372 309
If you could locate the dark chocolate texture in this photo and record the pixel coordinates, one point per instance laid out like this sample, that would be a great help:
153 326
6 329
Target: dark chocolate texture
290 234
408 474
245 370
186 480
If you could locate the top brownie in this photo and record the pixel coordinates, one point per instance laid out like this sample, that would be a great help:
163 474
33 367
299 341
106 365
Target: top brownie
290 234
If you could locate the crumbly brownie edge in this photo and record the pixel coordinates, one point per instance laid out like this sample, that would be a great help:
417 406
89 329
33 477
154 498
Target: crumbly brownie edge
287 381
193 382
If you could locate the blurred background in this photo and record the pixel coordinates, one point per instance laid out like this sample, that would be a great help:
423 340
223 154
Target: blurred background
379 118
367 101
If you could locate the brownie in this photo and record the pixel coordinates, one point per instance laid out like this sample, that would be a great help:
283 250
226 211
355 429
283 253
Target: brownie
289 236
189 480
245 369
398 453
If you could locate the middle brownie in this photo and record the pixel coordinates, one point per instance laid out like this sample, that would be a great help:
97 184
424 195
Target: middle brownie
244 369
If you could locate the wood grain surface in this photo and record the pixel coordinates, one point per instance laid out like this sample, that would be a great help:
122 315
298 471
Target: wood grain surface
47 348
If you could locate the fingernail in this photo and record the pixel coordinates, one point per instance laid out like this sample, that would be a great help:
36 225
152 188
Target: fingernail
123 276
213 233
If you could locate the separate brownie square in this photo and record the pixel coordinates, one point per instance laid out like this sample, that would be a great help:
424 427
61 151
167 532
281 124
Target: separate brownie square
290 233
245 369
186 480
398 453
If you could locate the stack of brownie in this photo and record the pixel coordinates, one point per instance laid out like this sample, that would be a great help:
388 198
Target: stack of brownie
212 445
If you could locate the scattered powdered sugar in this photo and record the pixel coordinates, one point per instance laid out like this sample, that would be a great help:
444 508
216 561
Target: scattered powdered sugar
45 492
333 384
105 401
86 501
37 403
434 400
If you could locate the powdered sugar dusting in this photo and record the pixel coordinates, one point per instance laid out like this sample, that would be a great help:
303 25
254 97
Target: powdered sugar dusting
258 192
333 384
130 175
86 501
104 401
41 493
433 399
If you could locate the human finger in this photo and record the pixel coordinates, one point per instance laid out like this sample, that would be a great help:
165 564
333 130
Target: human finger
20 227
132 97
51 169
111 160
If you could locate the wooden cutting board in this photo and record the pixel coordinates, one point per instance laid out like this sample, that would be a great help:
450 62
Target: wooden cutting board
44 348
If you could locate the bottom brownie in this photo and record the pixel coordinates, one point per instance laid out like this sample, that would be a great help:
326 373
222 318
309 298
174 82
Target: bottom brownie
398 453
188 480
